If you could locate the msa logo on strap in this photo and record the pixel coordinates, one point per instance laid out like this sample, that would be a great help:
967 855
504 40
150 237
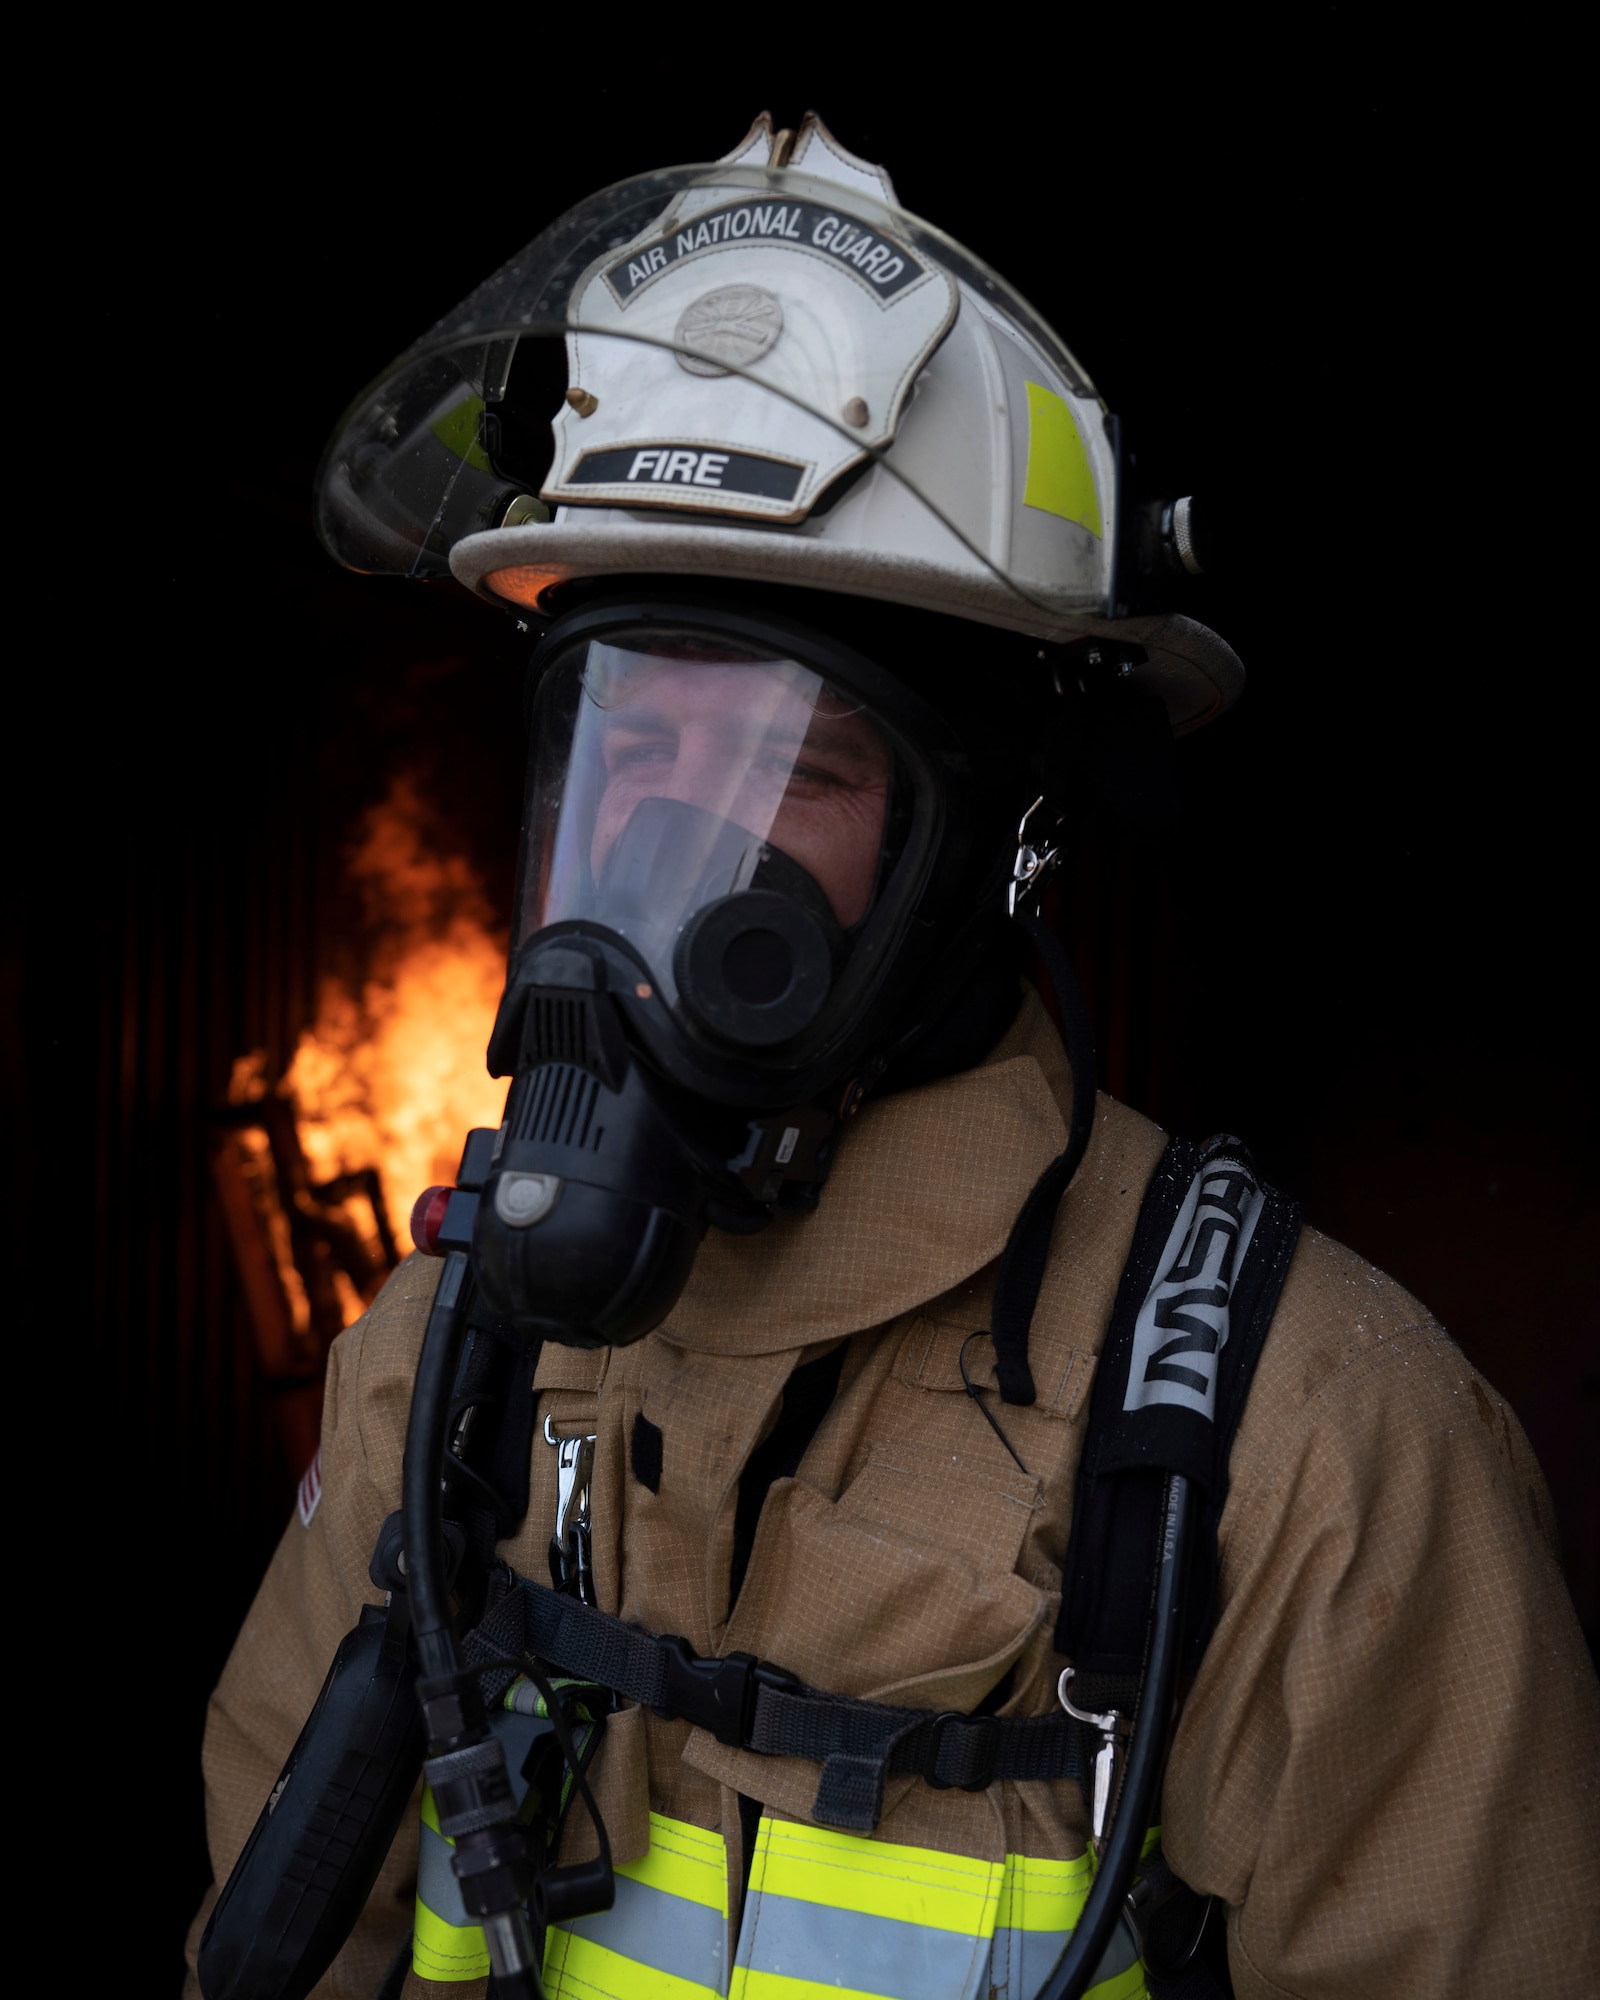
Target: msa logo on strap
684 470
310 1493
1183 1323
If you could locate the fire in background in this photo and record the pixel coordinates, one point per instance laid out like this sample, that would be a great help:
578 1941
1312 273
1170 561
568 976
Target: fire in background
394 1077
316 1171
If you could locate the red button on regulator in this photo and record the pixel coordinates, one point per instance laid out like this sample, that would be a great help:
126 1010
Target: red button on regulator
427 1219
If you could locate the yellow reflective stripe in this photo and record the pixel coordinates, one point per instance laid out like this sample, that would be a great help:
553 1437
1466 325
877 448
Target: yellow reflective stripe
576 1968
1128 1985
912 1885
1044 1900
748 1985
1044 1895
1152 1841
439 1948
441 1951
684 1861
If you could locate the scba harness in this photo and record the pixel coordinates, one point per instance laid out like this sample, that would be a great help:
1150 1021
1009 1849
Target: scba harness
1209 1255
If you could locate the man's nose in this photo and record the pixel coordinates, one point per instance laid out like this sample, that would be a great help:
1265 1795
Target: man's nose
703 773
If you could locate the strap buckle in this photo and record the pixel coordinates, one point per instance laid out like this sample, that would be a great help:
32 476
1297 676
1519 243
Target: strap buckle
717 1694
973 1753
711 1693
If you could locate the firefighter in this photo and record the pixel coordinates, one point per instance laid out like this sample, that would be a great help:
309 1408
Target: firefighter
821 1255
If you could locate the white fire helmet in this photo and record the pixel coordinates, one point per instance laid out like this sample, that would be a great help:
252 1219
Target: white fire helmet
773 375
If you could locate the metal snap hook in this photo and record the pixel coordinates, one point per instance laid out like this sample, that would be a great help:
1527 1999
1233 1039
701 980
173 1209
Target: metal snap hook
1105 1722
1105 1757
1036 857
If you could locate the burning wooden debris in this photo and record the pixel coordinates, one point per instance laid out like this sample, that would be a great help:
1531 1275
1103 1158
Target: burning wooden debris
312 1166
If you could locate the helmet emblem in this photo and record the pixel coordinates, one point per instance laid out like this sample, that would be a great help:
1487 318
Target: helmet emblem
735 323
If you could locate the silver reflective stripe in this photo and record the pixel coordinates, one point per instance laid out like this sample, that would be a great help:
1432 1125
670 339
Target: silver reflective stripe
436 1879
1023 1960
877 1955
666 1932
1119 1954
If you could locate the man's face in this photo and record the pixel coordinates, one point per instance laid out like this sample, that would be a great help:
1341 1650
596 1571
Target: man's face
761 747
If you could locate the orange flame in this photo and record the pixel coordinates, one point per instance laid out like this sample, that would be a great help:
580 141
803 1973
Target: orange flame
395 1077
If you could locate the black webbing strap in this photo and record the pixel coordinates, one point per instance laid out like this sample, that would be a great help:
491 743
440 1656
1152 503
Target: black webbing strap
753 1706
527 1617
1027 1251
858 1743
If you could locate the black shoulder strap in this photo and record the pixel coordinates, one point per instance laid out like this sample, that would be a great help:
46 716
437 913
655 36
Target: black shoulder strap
1027 1251
1210 1253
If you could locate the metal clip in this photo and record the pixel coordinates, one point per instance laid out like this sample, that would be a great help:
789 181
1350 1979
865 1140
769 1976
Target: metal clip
1105 1757
1036 857
571 1567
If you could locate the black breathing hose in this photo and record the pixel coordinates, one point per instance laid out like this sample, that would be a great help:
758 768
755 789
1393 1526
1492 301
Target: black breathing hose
1022 1268
421 1487
1120 1856
458 1734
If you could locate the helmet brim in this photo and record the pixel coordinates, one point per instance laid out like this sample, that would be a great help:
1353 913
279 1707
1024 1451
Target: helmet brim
1196 674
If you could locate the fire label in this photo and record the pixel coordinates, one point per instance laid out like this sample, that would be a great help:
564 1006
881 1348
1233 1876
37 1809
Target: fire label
686 467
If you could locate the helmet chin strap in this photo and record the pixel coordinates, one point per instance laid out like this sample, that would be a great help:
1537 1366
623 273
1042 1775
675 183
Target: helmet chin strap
1022 1262
1027 1249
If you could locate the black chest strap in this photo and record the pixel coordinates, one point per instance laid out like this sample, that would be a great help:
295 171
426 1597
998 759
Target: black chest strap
744 1702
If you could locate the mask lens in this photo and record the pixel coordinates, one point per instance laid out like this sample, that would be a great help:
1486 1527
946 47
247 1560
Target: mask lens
673 773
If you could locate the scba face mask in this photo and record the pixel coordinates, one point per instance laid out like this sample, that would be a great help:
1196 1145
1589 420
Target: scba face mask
750 828
740 838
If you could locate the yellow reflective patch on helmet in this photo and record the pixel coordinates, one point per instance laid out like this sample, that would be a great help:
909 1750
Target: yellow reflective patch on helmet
1060 478
457 431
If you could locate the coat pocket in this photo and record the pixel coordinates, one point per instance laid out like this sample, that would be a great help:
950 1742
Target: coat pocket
904 1578
845 1596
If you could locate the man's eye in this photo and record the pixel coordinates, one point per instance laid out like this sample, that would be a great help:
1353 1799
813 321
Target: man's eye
636 756
803 777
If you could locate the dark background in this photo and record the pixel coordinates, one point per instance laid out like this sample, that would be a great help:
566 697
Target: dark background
1321 274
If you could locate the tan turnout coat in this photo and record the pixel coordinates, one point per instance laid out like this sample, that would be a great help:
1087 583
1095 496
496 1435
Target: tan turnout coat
1389 1765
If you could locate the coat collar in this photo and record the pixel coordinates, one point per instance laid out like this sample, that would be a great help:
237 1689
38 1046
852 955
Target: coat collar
924 1192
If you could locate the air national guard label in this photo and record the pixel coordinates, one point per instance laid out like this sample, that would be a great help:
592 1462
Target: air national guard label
684 472
884 266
